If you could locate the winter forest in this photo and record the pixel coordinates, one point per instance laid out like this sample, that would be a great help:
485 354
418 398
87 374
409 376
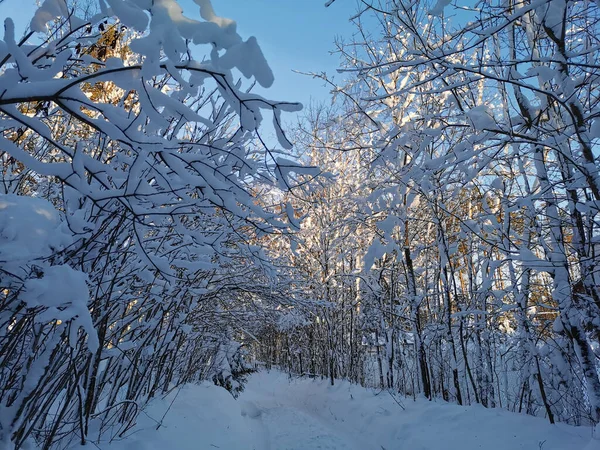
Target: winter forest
431 231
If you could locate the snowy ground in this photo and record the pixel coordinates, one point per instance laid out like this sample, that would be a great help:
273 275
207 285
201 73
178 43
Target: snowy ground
275 413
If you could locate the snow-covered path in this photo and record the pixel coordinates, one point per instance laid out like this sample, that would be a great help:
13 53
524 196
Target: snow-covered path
300 414
285 420
290 428
276 413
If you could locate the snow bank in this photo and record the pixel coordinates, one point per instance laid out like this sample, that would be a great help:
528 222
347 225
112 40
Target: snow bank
204 417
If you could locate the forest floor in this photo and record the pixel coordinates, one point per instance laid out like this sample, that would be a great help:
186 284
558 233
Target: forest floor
278 413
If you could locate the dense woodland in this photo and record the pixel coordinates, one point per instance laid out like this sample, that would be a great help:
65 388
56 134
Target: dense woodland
432 231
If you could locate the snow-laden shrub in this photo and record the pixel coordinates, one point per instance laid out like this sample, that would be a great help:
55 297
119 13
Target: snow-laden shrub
152 157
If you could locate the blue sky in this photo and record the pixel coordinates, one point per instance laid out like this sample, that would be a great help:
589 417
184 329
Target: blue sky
293 34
